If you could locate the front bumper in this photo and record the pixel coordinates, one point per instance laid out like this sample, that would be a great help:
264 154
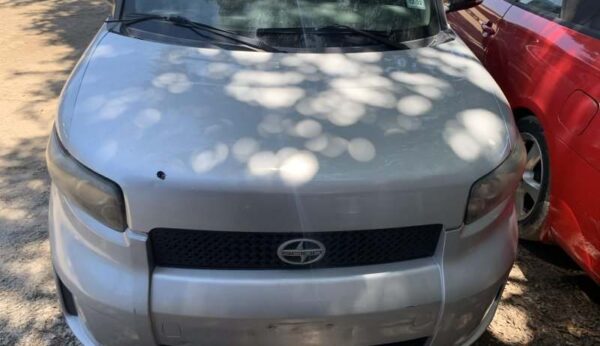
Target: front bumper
120 299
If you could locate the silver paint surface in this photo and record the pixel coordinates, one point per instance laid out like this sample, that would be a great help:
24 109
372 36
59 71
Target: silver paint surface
285 142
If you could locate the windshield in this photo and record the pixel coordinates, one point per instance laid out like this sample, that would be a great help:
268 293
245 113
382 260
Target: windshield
302 23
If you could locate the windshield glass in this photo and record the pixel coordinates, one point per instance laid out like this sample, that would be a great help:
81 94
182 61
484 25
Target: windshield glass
303 23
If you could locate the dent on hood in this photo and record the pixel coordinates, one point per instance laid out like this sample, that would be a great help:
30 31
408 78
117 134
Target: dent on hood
316 106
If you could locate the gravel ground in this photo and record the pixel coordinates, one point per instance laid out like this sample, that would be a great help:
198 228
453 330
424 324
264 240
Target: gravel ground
548 300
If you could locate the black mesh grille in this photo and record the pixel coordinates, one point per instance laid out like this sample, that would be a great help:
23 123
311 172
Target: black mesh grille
258 250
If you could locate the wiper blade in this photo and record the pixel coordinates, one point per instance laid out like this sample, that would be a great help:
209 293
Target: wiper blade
199 28
383 40
331 29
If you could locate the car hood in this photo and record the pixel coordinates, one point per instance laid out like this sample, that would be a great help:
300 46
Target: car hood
271 141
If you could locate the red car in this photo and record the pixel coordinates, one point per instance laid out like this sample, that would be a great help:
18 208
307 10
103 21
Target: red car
545 54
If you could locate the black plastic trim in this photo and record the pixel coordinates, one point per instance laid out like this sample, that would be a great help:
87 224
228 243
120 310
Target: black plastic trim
67 298
414 342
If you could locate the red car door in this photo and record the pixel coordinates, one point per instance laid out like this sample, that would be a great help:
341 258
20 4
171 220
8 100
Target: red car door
477 25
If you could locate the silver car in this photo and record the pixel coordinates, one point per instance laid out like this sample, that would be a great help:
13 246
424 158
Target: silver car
282 172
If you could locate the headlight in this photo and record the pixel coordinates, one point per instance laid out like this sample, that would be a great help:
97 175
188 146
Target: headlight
98 196
497 186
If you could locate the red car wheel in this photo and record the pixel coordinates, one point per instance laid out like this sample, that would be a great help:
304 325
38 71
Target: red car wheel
532 197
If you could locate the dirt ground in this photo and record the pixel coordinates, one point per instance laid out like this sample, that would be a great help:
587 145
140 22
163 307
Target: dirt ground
548 300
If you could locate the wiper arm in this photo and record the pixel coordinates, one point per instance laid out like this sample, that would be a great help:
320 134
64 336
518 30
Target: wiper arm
385 41
199 28
441 37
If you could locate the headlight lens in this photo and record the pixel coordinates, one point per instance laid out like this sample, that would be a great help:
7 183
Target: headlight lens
497 186
98 196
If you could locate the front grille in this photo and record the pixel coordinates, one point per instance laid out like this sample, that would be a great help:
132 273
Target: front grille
258 250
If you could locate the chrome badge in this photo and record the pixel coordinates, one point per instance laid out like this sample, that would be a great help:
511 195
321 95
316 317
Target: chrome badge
301 251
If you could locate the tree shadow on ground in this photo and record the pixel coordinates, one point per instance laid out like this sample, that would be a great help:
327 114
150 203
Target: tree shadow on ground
67 25
47 37
558 257
558 301
27 292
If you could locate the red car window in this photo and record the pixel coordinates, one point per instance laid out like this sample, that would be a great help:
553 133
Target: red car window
585 13
552 7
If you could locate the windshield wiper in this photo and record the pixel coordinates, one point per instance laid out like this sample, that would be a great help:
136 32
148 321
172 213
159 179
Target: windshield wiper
337 29
198 28
383 40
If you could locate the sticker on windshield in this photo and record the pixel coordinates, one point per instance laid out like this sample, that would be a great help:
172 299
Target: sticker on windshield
416 4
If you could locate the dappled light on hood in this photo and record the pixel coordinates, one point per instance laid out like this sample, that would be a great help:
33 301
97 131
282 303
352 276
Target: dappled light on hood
294 167
297 118
244 148
318 143
475 133
424 84
335 146
209 52
334 65
147 117
330 105
216 70
486 127
299 168
364 81
208 159
270 97
414 105
115 104
361 149
263 78
307 128
463 145
369 96
248 58
458 63
175 83
263 163
408 123
108 150
106 51
273 124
